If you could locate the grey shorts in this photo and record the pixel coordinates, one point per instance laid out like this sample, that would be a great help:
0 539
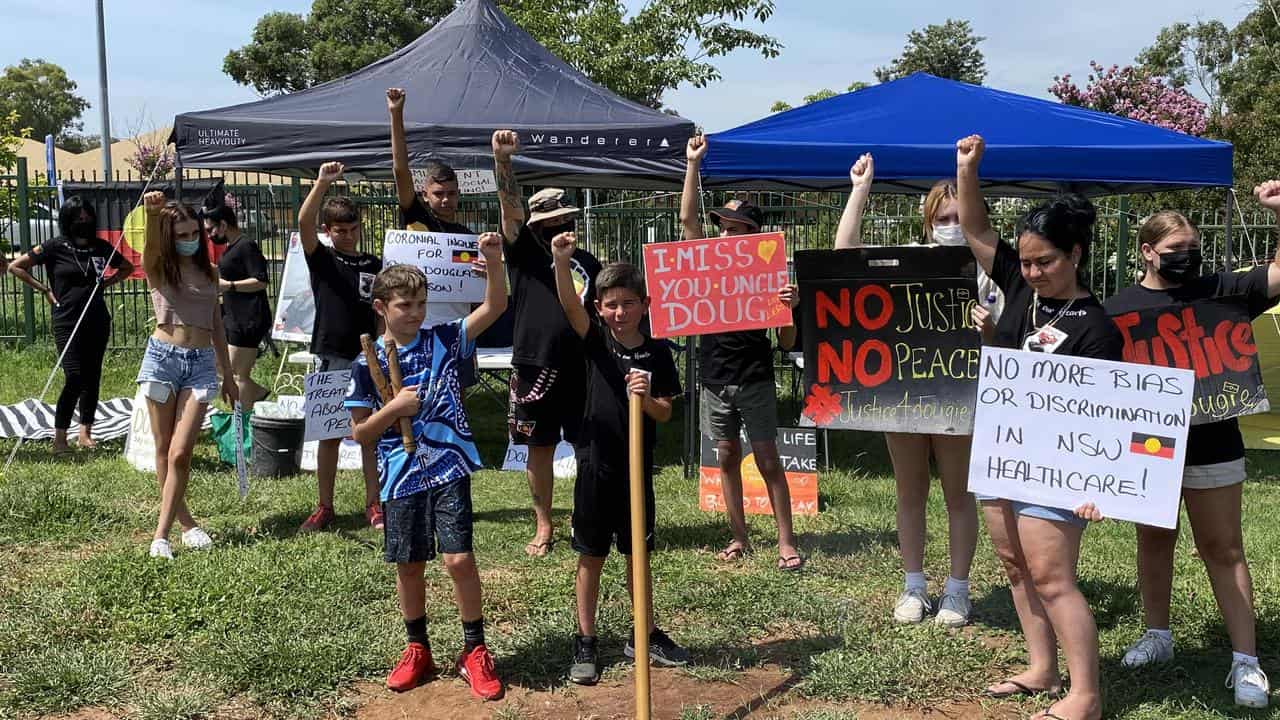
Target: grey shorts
329 363
727 409
1208 477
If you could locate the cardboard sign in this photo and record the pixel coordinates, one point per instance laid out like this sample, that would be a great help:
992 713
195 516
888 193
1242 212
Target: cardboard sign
1210 337
470 182
888 340
699 287
322 406
139 444
563 467
798 452
444 258
1061 431
295 305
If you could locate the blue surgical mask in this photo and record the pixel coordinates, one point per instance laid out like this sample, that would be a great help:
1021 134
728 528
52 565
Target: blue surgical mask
187 248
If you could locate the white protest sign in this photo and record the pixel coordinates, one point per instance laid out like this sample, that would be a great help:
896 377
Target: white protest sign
470 182
237 428
1062 431
564 466
140 445
444 258
295 305
349 457
326 416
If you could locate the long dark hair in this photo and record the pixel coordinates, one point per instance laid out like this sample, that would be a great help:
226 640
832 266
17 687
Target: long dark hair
69 214
165 263
1066 221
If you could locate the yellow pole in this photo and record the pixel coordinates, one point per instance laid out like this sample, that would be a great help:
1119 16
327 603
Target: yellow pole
639 558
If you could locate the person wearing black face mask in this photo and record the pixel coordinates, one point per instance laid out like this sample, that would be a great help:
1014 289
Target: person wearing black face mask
1214 474
548 378
246 311
75 267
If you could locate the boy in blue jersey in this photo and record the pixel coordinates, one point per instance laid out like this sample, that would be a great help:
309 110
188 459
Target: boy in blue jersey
426 497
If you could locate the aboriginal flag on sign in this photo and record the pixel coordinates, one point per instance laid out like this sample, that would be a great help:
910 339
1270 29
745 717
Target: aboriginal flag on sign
464 256
1156 445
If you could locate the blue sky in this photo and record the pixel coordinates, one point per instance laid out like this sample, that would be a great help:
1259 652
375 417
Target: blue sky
164 58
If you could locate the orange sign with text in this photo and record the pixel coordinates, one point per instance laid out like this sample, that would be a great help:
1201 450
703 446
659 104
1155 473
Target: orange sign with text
798 454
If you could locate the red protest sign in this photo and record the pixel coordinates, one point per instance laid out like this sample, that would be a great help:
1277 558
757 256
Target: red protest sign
700 287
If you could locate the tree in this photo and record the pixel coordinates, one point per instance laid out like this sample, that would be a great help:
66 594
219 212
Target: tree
11 135
43 96
949 50
639 56
1184 53
1132 93
823 94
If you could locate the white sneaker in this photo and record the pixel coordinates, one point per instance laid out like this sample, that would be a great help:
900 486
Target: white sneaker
1150 648
197 539
911 607
161 549
1250 684
953 611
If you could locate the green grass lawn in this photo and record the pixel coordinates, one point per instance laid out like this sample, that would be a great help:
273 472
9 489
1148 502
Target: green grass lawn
287 624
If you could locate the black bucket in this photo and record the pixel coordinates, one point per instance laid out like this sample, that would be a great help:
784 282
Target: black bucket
276 446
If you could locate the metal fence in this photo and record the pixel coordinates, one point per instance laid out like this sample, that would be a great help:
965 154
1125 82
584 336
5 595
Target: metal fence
615 227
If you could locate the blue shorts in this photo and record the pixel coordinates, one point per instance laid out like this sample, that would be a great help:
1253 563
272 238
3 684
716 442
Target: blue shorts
1043 512
170 369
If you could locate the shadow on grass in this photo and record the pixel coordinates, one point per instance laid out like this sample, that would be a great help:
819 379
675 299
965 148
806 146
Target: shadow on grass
1112 604
1194 678
847 542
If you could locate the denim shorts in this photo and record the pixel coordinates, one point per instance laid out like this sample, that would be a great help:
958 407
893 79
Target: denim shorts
171 369
1043 512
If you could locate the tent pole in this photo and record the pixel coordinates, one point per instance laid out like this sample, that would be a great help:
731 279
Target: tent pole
1228 259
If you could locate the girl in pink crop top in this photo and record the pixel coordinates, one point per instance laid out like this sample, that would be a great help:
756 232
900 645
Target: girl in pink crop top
184 356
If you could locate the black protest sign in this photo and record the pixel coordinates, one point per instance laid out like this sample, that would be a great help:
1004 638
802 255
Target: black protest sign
1212 337
889 344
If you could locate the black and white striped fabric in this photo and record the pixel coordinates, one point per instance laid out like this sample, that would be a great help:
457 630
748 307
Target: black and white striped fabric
33 420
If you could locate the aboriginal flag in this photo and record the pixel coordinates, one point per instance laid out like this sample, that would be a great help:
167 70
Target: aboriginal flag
465 256
1156 445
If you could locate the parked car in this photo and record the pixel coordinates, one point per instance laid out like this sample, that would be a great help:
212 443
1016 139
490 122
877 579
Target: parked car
43 224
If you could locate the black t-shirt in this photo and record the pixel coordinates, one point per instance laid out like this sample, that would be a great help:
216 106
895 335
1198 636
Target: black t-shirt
72 272
1089 331
735 358
542 335
343 288
1216 442
243 260
419 217
604 429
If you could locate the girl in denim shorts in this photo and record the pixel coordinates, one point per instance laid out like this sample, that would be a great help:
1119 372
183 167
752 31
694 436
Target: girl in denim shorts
179 373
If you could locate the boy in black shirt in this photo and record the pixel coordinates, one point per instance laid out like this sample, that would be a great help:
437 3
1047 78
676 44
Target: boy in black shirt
620 361
547 377
342 283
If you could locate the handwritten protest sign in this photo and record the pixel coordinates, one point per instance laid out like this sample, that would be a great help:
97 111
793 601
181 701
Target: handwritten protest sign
798 453
564 466
699 287
888 340
444 258
295 305
322 405
1212 338
470 182
1061 431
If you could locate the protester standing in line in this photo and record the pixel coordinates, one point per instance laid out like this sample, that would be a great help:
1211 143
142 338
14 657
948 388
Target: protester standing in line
1048 308
910 452
75 265
246 311
1213 478
179 373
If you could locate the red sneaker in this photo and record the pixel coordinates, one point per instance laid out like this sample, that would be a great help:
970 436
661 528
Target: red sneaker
318 520
374 514
476 667
415 667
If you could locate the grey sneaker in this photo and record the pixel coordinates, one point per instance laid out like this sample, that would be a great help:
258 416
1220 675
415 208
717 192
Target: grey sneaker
1150 648
911 607
662 650
585 669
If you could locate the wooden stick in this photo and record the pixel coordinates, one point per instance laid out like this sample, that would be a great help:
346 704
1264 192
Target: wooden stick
385 390
639 558
397 383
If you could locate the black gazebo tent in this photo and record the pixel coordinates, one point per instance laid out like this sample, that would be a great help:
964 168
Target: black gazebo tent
472 73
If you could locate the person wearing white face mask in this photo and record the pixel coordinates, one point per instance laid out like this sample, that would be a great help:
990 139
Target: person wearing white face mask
910 452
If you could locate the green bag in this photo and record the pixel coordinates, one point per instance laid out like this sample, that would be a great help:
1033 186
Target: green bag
224 434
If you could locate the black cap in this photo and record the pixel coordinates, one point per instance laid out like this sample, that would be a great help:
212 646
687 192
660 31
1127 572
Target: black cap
740 210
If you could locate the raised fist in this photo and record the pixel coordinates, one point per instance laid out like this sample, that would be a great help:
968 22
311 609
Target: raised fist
1268 194
863 173
153 201
969 151
491 247
696 149
563 245
331 171
505 144
395 99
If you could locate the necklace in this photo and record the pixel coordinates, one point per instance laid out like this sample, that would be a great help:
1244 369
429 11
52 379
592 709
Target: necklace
85 268
1035 307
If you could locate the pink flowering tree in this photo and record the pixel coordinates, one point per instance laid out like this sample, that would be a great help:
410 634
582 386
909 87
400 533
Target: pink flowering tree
148 157
1129 92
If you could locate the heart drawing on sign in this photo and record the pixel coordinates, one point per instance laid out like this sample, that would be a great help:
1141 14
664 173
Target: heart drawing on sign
766 249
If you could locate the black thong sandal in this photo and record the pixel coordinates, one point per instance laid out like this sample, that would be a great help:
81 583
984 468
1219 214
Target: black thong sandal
1020 690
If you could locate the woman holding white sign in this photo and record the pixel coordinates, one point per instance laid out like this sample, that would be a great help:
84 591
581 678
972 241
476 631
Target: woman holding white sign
1048 308
910 452
1213 478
